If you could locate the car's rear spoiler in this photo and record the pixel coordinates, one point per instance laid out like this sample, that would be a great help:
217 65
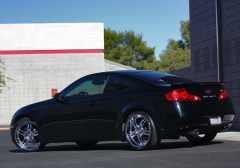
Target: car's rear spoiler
198 84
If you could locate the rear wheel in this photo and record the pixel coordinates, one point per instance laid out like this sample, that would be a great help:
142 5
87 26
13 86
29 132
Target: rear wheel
25 135
85 144
202 138
140 131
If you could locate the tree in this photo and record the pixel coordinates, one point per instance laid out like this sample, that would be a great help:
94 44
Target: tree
185 32
3 78
128 48
177 53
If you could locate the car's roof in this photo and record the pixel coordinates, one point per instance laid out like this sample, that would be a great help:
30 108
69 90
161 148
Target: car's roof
145 75
141 73
153 77
144 72
129 71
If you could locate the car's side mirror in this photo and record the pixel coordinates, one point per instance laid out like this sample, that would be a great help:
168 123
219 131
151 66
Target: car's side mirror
60 98
56 96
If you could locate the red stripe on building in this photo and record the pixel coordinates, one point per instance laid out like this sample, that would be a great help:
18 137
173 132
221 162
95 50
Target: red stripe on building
67 51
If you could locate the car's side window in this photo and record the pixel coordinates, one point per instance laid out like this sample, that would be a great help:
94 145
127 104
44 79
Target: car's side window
89 86
116 84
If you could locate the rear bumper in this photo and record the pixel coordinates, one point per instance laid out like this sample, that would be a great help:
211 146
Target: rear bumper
204 129
187 125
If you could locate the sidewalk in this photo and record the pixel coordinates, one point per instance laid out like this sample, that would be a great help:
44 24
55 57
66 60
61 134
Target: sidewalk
230 136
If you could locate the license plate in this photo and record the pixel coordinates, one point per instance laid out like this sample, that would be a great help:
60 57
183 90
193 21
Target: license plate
214 121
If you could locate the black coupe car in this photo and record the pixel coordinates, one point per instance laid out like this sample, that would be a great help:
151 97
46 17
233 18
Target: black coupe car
140 107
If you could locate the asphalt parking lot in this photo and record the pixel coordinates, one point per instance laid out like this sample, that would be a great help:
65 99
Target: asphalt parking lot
170 153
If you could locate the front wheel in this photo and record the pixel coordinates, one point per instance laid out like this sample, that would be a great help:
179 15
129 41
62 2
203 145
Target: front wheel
140 131
25 135
201 139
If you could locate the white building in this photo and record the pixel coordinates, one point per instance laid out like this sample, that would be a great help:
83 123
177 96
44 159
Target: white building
42 57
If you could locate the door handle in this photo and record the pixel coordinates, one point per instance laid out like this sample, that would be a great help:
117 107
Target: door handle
91 103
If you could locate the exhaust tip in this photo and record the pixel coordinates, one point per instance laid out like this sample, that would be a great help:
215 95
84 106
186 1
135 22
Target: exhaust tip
225 128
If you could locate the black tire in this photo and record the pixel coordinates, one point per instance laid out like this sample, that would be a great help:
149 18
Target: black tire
25 135
140 131
86 144
200 140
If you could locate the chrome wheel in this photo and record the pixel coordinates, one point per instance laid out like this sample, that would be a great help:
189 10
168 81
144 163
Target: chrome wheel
26 135
140 131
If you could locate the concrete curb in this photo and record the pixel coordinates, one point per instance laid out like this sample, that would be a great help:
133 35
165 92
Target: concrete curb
4 127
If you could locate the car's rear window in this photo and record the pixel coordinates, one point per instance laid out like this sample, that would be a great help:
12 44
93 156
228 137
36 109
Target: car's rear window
149 76
175 79
159 78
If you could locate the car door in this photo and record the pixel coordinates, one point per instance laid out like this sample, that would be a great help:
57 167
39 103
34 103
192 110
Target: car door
114 98
77 118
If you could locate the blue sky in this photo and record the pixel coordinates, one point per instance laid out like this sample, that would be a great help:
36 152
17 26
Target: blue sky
157 20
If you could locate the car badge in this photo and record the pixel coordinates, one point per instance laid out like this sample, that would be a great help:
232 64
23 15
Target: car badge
208 91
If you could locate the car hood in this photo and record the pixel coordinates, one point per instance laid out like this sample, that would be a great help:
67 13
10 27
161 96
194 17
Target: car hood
33 107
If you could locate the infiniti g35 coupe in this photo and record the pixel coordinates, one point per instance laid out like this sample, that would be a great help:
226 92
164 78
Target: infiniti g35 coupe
140 107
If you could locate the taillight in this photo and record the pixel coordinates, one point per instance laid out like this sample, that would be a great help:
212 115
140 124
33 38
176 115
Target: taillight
181 95
223 95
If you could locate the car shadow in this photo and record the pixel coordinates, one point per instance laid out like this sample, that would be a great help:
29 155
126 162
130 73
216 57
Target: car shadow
182 144
119 146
